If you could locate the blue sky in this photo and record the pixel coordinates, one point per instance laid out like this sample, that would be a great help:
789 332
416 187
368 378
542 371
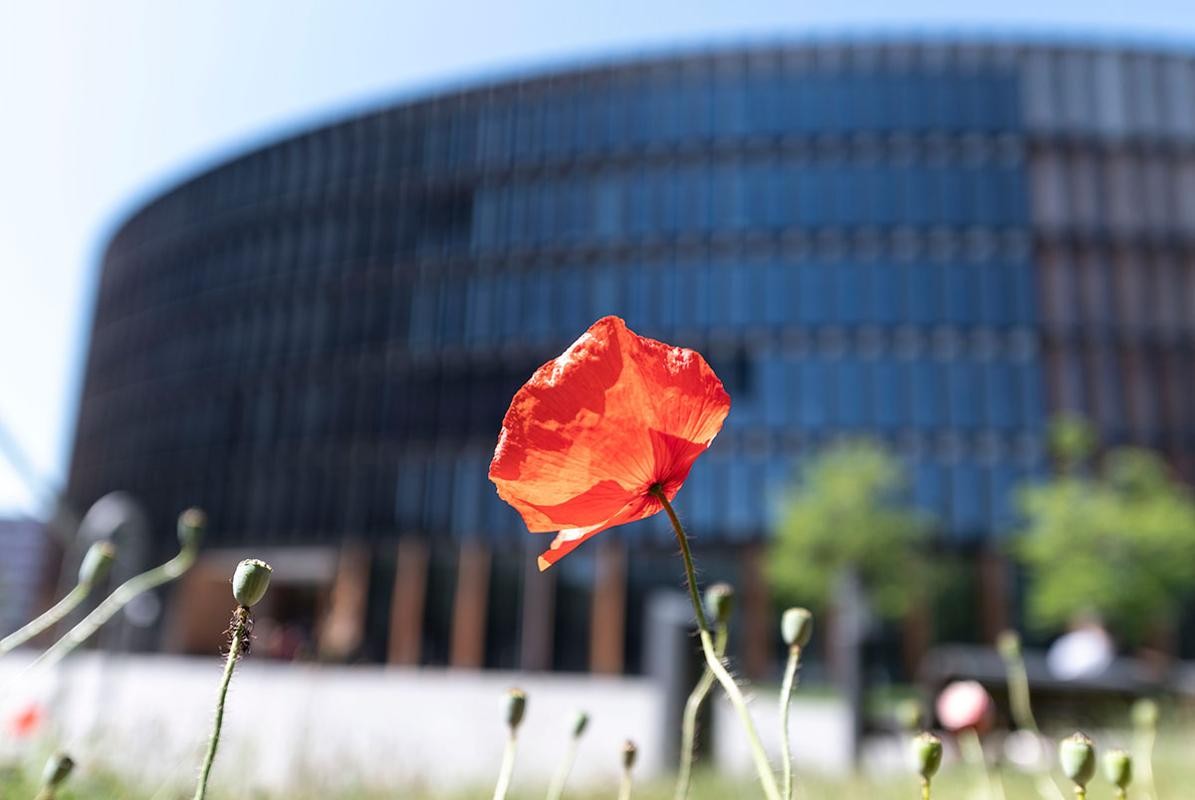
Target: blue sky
103 103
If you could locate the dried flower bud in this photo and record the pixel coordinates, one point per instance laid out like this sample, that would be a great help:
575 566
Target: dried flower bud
97 562
629 752
515 704
796 626
57 770
719 602
1076 754
1145 714
1118 768
580 723
250 581
926 750
1008 644
191 525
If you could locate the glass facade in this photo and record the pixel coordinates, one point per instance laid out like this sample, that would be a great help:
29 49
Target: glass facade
318 340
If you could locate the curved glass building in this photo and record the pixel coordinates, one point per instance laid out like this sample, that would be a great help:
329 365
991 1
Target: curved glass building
935 243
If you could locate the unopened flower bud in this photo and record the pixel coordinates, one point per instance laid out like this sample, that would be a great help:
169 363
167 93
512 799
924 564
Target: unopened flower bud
97 562
908 714
629 752
1008 644
965 705
1145 714
926 750
796 626
250 581
580 723
1076 754
191 525
57 770
719 602
1118 768
515 704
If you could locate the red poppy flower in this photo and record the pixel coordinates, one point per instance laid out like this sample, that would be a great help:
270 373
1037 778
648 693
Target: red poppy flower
966 704
593 431
26 721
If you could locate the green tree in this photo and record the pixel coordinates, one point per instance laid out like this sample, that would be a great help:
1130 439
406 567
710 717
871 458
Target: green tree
847 512
1114 538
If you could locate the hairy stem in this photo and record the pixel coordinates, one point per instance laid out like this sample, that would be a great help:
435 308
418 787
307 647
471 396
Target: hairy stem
689 724
134 586
624 786
972 749
47 620
766 776
236 643
556 787
786 693
507 768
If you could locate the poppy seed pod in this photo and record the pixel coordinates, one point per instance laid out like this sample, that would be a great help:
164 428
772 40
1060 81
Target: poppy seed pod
629 752
926 750
191 525
1008 644
796 626
57 770
580 723
250 581
719 602
1145 714
1118 768
515 704
1076 754
96 563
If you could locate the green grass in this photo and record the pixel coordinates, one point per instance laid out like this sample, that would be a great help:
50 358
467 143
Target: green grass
1175 772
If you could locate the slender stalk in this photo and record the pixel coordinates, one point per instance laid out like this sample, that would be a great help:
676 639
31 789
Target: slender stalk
236 646
560 778
1143 747
507 768
786 693
624 786
1121 793
1080 792
689 724
1022 713
114 602
925 789
766 776
972 749
47 620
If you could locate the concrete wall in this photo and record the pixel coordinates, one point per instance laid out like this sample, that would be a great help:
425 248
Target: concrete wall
353 726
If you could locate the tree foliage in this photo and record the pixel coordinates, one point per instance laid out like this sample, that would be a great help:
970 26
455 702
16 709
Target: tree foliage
847 511
1114 539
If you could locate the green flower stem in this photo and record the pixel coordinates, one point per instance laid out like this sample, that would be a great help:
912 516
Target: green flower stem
236 647
766 777
786 693
47 620
1022 713
925 789
1080 792
972 749
134 586
689 724
1143 750
507 768
624 786
556 787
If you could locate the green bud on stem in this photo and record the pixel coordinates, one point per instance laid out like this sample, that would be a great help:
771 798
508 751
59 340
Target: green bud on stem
57 770
515 705
580 723
97 562
250 581
1008 644
1118 768
719 602
629 753
796 627
191 525
1076 755
1145 714
926 750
